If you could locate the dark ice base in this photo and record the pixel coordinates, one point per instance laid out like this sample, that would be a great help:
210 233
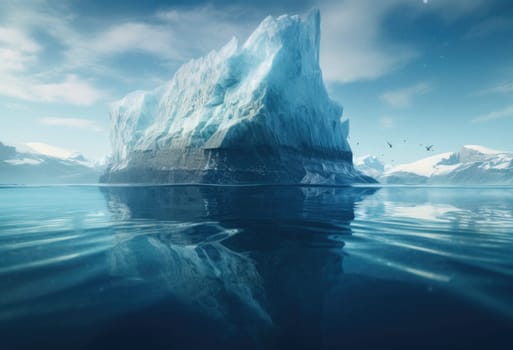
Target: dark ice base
241 166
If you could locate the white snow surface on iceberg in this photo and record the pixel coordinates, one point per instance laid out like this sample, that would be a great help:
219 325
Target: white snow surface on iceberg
271 82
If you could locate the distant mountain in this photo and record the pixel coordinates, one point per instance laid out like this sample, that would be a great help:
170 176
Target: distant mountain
473 164
39 163
370 166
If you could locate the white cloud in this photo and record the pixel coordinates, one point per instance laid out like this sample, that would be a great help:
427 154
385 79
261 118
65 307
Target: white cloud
15 37
402 98
172 36
506 112
501 88
17 50
72 89
354 46
488 27
86 51
16 107
46 149
134 36
72 123
22 77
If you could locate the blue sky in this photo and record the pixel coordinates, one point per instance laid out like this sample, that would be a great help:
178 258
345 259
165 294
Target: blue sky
411 72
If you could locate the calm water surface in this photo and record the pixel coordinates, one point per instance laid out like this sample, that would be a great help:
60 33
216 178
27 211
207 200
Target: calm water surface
198 267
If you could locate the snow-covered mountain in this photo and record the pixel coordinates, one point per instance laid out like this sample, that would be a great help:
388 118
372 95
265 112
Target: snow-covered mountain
370 165
471 165
256 112
39 163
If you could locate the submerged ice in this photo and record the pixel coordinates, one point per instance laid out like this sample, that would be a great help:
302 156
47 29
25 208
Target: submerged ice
252 112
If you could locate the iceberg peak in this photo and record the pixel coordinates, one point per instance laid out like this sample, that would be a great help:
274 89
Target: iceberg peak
248 107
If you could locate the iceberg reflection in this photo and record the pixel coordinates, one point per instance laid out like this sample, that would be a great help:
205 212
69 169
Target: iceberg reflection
253 258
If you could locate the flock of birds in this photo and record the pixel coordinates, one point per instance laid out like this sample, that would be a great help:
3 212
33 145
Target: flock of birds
429 148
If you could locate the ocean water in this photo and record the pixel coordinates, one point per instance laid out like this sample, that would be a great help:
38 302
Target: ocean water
263 267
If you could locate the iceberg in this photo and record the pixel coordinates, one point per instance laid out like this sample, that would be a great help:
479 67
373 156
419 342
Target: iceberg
252 113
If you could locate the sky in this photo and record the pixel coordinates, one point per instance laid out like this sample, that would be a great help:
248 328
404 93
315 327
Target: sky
408 72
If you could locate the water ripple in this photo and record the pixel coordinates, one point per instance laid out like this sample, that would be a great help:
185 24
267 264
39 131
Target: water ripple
250 257
438 235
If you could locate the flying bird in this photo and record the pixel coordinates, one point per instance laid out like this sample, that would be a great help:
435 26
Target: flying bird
429 148
389 144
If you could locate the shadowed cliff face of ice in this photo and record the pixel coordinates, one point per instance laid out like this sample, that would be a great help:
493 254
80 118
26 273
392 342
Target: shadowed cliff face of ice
267 94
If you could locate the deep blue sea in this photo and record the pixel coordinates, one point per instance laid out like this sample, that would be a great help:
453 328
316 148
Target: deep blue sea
262 267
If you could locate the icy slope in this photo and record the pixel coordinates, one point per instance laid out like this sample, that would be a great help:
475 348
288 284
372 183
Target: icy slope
471 165
244 113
